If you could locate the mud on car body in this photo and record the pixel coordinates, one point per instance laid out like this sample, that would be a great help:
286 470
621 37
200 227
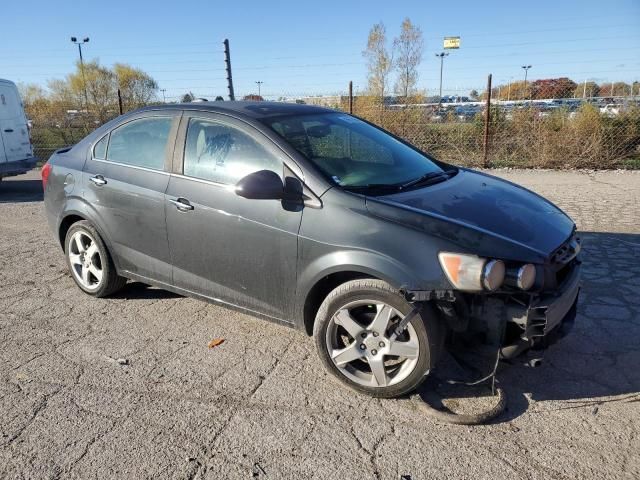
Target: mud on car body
320 221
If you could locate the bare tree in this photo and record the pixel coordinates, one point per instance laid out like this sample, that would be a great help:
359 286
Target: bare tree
137 87
409 46
379 62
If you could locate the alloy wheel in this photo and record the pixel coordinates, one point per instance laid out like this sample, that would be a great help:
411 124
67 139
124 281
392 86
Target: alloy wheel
85 259
360 343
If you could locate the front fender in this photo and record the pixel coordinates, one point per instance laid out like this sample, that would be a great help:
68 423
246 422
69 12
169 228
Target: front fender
363 262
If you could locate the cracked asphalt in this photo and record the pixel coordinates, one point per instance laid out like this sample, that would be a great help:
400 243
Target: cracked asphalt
261 406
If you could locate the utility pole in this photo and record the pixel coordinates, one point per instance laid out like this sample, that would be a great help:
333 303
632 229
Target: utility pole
509 90
351 96
441 55
227 61
526 70
84 80
164 99
584 89
259 83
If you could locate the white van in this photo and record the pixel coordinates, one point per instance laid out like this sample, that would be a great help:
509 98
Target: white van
16 152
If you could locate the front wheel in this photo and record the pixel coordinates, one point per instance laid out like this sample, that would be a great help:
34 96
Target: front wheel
354 337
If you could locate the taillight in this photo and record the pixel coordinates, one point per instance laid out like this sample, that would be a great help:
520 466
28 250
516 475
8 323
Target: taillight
46 170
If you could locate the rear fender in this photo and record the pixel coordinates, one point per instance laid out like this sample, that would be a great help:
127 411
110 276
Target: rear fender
77 206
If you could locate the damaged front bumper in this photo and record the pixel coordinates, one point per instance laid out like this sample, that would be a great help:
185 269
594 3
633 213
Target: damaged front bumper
513 322
543 322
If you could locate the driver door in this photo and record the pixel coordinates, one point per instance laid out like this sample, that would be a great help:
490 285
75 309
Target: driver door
228 248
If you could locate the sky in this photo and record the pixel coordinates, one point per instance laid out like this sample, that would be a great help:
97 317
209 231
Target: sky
300 48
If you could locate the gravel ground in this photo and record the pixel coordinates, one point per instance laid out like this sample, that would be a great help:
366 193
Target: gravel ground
260 405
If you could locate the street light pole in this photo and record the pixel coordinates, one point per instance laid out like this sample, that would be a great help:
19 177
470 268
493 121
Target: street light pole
164 99
259 83
526 70
441 55
84 80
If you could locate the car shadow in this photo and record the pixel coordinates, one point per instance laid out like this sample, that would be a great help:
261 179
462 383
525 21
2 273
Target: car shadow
597 362
19 191
142 291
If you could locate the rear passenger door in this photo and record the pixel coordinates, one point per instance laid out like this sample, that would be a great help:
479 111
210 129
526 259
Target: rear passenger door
125 180
223 246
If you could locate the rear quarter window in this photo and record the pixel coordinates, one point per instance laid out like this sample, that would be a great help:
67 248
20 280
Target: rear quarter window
100 148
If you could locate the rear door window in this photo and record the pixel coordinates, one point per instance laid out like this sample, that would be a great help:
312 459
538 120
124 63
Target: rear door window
140 143
223 153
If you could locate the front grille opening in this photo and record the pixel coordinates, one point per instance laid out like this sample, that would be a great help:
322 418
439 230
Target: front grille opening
563 273
512 334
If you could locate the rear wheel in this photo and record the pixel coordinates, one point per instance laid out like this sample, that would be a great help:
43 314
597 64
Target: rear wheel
354 337
89 261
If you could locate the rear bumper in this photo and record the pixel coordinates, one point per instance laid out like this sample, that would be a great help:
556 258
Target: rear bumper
8 169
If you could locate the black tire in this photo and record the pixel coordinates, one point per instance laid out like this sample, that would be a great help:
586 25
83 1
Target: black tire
426 325
111 282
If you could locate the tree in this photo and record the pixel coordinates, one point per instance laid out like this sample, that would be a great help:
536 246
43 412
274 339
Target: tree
409 46
30 93
187 98
93 89
587 90
512 91
474 95
379 62
561 87
137 88
616 89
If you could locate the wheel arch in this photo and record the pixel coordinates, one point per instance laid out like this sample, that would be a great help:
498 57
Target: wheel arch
65 225
328 272
78 211
321 289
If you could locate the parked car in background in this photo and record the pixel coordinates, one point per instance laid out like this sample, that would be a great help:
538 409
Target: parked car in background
465 113
611 109
321 221
16 152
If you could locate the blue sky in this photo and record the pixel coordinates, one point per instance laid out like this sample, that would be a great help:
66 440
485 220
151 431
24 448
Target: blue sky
306 48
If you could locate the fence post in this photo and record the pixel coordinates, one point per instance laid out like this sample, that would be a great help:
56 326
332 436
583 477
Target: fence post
120 102
487 121
350 97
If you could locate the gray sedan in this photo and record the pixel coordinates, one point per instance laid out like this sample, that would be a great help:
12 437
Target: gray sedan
321 221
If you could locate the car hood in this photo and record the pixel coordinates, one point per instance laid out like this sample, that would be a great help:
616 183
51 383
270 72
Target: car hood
483 214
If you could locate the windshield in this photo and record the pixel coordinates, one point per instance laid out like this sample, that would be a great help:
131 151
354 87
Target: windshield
351 152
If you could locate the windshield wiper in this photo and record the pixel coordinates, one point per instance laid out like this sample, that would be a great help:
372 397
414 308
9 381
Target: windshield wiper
429 179
374 187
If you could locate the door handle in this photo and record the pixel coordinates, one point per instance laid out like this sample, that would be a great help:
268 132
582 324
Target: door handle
182 204
98 180
8 130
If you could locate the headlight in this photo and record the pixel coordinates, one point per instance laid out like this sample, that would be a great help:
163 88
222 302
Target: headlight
468 272
526 276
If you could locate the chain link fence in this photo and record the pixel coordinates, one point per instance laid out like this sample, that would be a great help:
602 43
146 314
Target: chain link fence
594 133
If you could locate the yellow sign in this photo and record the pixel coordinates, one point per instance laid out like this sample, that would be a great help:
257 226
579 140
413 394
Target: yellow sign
451 42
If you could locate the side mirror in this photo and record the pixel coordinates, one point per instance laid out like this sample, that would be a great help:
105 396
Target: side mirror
261 185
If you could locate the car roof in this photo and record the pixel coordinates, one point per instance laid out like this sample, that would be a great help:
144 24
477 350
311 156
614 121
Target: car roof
248 109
